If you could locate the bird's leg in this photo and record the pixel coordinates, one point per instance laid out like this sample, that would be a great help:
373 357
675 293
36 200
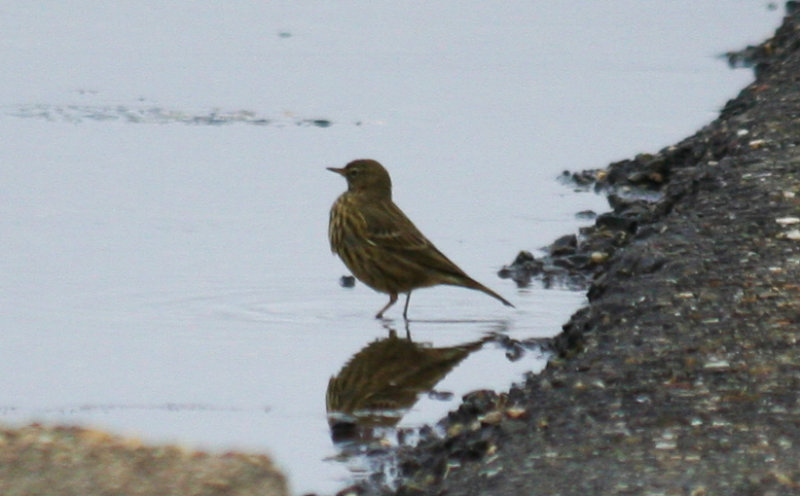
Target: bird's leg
405 309
392 300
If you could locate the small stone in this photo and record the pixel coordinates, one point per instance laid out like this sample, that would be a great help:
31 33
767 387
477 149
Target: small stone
516 412
522 257
599 384
598 257
616 222
491 418
454 430
564 245
793 235
716 364
786 221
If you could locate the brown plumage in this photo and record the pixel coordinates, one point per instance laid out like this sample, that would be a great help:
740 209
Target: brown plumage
380 245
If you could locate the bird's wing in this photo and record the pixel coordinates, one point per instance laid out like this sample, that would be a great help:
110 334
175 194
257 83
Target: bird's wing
388 228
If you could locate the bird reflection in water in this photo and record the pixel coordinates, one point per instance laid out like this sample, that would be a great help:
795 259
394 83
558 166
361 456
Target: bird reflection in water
383 381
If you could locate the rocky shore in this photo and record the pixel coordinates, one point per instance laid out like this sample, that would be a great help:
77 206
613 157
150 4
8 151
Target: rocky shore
681 376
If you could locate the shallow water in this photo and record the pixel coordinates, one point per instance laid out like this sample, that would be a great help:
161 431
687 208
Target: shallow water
165 267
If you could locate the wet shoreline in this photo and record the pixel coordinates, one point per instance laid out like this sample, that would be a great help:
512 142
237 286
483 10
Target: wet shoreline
681 375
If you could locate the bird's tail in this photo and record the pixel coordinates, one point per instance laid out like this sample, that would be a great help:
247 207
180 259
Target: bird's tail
473 284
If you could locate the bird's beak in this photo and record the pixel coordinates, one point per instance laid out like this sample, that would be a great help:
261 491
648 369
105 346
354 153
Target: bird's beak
338 171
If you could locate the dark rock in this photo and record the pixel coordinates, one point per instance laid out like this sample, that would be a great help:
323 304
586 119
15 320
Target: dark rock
522 270
478 402
524 257
320 122
616 222
582 179
563 245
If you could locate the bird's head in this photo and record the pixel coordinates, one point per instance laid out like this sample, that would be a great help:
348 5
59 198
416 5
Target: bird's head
366 176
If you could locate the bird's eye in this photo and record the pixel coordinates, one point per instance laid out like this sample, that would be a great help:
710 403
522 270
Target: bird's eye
352 173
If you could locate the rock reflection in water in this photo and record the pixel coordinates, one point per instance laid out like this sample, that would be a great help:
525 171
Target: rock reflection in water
383 381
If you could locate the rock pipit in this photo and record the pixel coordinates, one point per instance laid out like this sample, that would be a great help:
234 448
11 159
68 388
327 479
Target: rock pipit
381 246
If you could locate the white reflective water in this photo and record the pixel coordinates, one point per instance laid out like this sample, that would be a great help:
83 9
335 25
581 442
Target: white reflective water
164 265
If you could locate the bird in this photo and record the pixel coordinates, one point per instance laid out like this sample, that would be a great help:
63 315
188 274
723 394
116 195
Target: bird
379 243
380 383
